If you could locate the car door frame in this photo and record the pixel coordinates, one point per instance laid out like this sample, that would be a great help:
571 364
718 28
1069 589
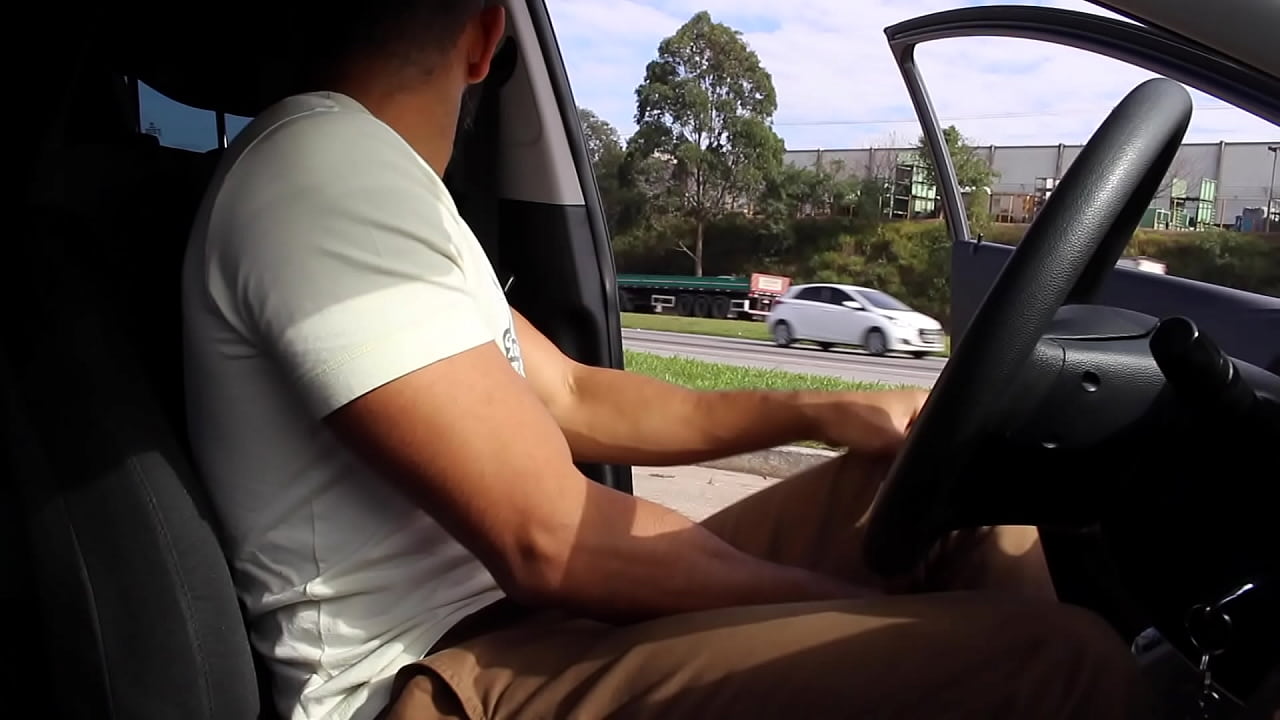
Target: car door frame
1151 49
599 254
1217 309
584 272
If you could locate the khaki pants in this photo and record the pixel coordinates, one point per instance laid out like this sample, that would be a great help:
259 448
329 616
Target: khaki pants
976 634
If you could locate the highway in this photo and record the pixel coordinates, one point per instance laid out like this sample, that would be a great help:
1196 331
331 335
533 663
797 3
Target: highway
848 364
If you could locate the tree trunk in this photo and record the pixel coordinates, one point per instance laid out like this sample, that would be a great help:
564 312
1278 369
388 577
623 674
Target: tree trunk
697 252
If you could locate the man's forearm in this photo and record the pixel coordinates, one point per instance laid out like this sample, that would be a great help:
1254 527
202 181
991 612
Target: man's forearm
629 418
629 559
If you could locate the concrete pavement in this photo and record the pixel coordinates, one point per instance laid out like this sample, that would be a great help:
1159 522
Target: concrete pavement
694 491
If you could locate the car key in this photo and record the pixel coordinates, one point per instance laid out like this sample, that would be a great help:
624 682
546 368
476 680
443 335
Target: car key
1209 628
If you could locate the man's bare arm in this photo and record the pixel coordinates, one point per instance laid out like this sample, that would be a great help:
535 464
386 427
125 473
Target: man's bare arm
470 441
615 416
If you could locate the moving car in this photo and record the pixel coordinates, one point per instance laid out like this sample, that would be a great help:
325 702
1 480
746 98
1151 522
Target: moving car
120 599
832 314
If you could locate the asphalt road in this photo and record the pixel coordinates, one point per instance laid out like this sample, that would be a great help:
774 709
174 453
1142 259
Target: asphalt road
848 364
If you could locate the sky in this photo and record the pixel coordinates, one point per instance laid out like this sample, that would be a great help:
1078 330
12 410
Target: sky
839 87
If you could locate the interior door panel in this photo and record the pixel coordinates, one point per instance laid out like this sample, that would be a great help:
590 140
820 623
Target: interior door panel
523 182
555 281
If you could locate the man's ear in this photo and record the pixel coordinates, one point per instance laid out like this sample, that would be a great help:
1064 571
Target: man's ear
485 32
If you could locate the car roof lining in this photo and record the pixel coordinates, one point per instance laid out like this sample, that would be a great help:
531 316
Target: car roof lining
1244 30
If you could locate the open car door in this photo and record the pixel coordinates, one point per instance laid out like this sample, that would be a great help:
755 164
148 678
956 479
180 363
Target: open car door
1247 325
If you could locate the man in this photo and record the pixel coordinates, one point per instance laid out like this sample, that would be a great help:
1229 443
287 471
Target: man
390 448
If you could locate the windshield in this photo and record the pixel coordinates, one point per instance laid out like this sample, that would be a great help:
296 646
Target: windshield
883 301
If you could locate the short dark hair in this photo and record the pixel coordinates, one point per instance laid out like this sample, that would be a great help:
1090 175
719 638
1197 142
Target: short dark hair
415 33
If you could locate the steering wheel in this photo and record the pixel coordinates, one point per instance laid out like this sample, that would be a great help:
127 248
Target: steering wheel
1064 258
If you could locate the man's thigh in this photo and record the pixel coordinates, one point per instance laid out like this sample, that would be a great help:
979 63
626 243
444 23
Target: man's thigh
958 655
818 520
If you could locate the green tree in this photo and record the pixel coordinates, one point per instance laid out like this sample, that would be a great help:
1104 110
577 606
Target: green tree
604 148
868 203
643 203
704 111
790 192
974 174
604 144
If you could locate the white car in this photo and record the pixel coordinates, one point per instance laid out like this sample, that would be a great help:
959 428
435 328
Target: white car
829 314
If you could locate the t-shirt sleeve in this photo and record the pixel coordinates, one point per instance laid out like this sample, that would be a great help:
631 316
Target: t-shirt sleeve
332 250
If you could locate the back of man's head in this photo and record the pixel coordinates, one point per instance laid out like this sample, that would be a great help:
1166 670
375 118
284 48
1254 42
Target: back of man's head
412 37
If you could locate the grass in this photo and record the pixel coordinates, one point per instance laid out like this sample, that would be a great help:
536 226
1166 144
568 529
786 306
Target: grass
703 375
696 326
707 326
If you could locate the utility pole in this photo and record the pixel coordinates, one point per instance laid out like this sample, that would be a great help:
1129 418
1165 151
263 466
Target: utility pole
1271 190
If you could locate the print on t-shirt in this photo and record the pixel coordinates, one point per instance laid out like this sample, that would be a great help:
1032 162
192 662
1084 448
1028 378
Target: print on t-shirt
511 348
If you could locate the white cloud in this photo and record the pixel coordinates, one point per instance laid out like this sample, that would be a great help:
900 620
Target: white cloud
838 85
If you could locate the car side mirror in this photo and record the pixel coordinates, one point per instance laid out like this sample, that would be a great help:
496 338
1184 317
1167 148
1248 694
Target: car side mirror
853 305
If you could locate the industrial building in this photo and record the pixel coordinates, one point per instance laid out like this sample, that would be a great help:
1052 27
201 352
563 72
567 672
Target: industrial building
1209 184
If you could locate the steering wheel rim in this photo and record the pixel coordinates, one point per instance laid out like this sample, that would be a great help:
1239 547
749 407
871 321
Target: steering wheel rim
1064 258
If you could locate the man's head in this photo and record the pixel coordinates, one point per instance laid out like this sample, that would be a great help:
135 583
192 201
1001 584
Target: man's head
413 39
396 54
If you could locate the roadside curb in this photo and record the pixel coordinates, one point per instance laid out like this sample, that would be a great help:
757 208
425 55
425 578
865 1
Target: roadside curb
779 462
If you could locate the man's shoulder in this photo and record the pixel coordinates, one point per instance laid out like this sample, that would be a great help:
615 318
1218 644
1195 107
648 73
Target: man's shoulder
320 160
317 137
316 184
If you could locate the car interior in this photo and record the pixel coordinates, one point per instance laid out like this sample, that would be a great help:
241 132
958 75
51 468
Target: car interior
124 603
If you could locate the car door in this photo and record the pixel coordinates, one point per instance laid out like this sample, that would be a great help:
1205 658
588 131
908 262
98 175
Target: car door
833 315
849 324
1246 324
810 316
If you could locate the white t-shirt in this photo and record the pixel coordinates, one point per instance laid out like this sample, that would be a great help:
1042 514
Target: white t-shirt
329 259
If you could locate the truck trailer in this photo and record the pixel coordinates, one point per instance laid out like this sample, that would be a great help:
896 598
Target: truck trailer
725 296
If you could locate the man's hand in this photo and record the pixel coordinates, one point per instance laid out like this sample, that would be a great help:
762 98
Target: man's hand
874 423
